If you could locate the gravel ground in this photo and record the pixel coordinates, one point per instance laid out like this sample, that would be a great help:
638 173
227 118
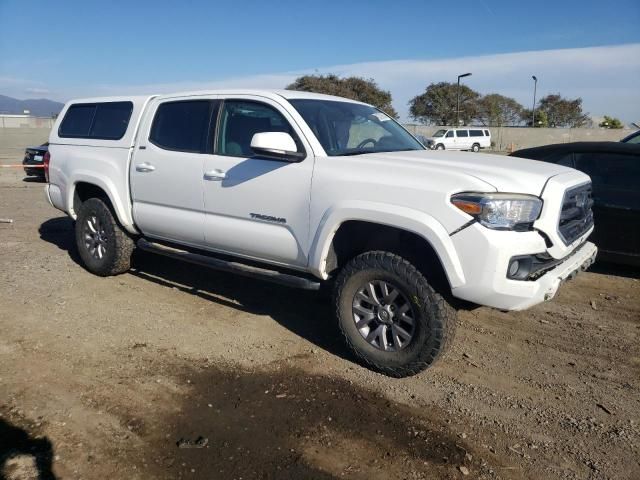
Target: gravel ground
174 371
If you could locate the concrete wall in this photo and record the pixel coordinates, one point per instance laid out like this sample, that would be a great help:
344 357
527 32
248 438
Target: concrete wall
514 138
18 121
14 140
505 138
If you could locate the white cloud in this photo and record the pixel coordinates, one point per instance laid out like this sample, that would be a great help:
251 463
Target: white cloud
606 78
18 87
36 91
6 81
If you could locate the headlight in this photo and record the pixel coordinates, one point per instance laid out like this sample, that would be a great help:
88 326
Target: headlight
500 211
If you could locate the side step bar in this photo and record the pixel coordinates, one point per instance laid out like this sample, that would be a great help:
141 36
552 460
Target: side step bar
273 276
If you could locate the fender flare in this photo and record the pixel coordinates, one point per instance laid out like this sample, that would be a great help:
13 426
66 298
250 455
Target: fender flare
123 212
405 218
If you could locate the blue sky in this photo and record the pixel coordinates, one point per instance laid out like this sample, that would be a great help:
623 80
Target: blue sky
64 49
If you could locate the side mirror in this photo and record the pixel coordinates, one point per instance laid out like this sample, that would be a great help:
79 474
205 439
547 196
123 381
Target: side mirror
276 145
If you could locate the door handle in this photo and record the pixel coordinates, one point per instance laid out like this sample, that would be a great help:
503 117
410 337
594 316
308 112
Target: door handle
215 175
145 167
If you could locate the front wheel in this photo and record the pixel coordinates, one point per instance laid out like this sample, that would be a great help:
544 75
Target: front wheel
439 146
105 248
391 318
475 147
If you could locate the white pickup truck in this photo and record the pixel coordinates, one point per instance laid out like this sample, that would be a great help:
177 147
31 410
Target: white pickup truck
305 189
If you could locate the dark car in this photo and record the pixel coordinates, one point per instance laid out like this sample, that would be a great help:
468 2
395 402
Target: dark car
33 160
614 168
633 138
424 140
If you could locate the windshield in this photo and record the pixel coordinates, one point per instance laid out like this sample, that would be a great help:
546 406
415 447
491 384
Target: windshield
345 128
439 133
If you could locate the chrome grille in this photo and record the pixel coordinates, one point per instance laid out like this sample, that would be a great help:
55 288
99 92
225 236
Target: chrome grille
576 216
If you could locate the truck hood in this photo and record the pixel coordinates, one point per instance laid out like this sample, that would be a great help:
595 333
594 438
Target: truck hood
505 174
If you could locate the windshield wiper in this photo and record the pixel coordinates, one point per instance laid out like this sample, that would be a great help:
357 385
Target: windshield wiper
362 152
357 152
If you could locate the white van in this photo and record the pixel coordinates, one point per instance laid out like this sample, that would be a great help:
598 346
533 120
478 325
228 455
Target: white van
461 139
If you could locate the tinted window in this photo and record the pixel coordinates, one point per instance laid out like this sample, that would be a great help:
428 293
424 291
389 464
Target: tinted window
241 120
77 121
449 134
610 170
111 120
564 159
486 132
633 138
462 133
476 133
107 121
182 126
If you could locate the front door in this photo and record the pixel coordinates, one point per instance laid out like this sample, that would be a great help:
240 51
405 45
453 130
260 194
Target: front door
449 140
256 207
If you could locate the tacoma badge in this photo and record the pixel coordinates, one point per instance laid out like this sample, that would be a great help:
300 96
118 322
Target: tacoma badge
268 218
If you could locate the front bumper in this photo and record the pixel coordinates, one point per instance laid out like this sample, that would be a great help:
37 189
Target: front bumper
485 255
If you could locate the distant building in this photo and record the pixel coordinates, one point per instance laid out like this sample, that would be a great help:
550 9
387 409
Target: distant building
21 120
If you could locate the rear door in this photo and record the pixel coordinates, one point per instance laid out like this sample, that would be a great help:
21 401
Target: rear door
167 167
257 207
477 136
616 196
462 140
486 139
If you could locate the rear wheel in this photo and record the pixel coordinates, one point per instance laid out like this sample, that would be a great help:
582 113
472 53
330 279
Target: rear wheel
475 147
391 318
103 245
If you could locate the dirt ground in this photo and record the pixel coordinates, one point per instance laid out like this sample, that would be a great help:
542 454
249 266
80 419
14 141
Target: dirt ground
174 371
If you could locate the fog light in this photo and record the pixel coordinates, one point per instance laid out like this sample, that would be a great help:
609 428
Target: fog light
513 268
520 267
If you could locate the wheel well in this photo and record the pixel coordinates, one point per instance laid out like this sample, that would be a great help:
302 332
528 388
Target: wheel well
84 191
355 237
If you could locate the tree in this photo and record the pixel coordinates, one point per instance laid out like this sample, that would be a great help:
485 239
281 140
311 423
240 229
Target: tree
496 110
542 121
563 112
611 122
437 105
356 88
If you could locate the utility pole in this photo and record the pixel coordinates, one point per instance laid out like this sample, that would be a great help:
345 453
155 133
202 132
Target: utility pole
533 110
458 98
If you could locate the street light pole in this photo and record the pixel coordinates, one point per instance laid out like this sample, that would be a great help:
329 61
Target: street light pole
458 98
533 110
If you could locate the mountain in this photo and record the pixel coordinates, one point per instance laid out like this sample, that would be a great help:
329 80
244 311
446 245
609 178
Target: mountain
40 107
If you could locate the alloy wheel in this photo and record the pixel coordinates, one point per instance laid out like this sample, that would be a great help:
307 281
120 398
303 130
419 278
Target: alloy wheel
95 239
384 316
